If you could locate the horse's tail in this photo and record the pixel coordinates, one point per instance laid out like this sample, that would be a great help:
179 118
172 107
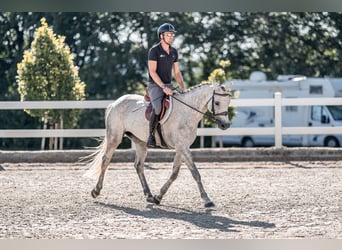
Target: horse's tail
96 160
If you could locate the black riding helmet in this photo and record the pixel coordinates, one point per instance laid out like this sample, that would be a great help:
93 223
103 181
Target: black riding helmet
166 27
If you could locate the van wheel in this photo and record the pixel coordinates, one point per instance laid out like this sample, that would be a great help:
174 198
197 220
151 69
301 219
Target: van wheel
331 142
247 143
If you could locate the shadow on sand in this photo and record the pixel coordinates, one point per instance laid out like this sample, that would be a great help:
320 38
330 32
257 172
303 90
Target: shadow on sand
201 219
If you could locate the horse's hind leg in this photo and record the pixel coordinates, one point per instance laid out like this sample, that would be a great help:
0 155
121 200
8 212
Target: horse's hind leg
110 145
141 152
177 162
196 175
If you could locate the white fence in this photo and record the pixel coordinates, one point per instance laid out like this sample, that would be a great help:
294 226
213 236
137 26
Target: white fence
276 102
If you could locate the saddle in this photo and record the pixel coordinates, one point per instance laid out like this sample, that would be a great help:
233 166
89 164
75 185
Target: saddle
165 106
166 109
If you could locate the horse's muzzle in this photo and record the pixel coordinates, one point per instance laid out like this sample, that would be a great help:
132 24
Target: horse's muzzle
223 124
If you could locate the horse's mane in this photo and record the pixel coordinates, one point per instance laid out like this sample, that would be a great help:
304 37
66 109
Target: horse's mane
192 88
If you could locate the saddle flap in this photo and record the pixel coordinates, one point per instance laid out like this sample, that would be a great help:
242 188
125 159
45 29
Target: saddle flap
165 107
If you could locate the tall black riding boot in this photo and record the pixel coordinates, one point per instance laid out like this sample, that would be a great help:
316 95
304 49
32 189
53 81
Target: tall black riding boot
154 119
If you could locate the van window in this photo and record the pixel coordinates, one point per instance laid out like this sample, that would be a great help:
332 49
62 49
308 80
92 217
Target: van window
291 108
316 90
317 112
336 112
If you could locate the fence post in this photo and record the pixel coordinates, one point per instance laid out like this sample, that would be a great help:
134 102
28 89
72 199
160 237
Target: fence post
278 135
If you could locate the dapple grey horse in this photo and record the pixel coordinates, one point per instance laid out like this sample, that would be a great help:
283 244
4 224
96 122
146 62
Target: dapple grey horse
126 116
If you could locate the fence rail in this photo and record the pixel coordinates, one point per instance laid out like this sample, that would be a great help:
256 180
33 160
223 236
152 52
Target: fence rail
277 102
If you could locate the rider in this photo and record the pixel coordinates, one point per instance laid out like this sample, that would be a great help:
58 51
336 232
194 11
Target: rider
162 58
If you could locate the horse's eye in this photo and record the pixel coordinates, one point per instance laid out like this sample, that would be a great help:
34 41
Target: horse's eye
217 103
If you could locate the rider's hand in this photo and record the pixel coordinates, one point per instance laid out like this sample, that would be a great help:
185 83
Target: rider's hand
168 91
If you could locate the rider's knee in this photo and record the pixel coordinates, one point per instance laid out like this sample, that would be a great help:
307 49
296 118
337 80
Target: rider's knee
157 110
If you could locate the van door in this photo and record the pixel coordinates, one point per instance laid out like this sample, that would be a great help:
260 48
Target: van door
319 118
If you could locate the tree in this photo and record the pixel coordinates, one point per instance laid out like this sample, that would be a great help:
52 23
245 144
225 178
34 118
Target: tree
47 73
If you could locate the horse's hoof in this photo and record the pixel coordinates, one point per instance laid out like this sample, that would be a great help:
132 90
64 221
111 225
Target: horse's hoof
153 199
209 204
150 199
156 200
94 193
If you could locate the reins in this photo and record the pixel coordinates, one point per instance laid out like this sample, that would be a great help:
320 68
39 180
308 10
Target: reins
211 116
199 111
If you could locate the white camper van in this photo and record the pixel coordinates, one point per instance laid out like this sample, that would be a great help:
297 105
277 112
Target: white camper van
290 86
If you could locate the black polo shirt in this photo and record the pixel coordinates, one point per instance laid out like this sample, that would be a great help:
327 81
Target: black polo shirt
164 62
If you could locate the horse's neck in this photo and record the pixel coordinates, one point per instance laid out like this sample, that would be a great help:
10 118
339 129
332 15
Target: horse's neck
196 98
199 97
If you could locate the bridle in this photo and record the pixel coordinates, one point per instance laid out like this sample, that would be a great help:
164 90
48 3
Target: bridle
224 113
213 114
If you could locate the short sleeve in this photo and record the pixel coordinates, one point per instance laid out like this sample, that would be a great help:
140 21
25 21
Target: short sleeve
152 55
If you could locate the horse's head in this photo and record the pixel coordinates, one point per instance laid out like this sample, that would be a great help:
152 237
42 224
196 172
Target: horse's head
219 104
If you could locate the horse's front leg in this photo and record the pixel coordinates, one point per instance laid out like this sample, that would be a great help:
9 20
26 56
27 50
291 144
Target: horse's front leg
196 175
177 162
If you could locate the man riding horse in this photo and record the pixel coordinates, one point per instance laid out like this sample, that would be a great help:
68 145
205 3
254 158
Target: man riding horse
162 58
126 117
